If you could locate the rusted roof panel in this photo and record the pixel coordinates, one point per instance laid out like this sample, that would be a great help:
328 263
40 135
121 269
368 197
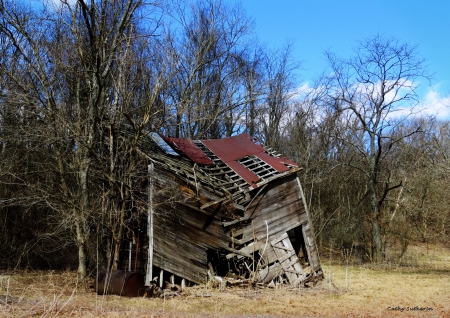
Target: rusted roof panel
243 172
240 146
189 149
231 149
287 161
273 161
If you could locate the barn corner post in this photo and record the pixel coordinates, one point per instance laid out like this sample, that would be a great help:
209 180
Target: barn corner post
149 270
309 236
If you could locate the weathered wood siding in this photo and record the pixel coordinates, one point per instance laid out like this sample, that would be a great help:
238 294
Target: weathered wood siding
183 233
280 204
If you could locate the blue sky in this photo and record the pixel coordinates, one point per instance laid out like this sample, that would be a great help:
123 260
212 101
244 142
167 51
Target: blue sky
337 25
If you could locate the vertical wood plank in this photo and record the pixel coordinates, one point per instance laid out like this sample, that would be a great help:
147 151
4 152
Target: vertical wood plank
149 271
309 237
311 248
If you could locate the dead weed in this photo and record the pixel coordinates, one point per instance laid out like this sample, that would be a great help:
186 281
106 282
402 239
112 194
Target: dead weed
353 291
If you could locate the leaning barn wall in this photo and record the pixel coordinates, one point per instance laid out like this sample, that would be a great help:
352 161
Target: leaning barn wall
183 233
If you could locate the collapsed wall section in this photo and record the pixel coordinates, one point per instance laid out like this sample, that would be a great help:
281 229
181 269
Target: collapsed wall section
275 217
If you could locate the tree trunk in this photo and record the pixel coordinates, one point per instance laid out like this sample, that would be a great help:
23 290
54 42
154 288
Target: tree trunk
82 231
377 245
82 268
119 234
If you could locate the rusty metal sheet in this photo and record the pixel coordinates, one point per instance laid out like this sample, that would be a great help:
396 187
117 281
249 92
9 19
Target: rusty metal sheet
272 161
114 282
287 161
231 149
189 149
243 172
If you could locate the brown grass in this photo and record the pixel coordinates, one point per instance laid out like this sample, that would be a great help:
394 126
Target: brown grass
355 291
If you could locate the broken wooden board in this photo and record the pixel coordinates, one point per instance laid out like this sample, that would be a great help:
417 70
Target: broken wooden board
288 258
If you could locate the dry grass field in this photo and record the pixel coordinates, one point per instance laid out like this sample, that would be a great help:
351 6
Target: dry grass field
420 289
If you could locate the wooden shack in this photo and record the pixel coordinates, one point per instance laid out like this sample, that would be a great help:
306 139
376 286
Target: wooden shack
225 206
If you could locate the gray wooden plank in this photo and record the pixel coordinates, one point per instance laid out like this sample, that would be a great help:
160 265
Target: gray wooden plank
285 257
280 238
296 265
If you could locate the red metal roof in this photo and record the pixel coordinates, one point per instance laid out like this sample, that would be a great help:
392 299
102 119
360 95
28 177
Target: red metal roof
250 177
189 149
240 146
233 148
230 150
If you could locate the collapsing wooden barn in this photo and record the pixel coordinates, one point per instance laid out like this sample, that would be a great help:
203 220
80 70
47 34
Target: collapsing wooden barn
225 206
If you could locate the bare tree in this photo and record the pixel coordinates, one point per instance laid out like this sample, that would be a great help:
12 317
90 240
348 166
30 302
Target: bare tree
65 61
207 54
371 89
279 87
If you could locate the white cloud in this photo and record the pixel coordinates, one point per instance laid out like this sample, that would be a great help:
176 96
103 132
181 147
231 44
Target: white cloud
436 105
433 103
302 90
58 4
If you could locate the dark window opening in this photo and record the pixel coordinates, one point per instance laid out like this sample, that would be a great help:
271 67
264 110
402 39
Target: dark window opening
298 243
